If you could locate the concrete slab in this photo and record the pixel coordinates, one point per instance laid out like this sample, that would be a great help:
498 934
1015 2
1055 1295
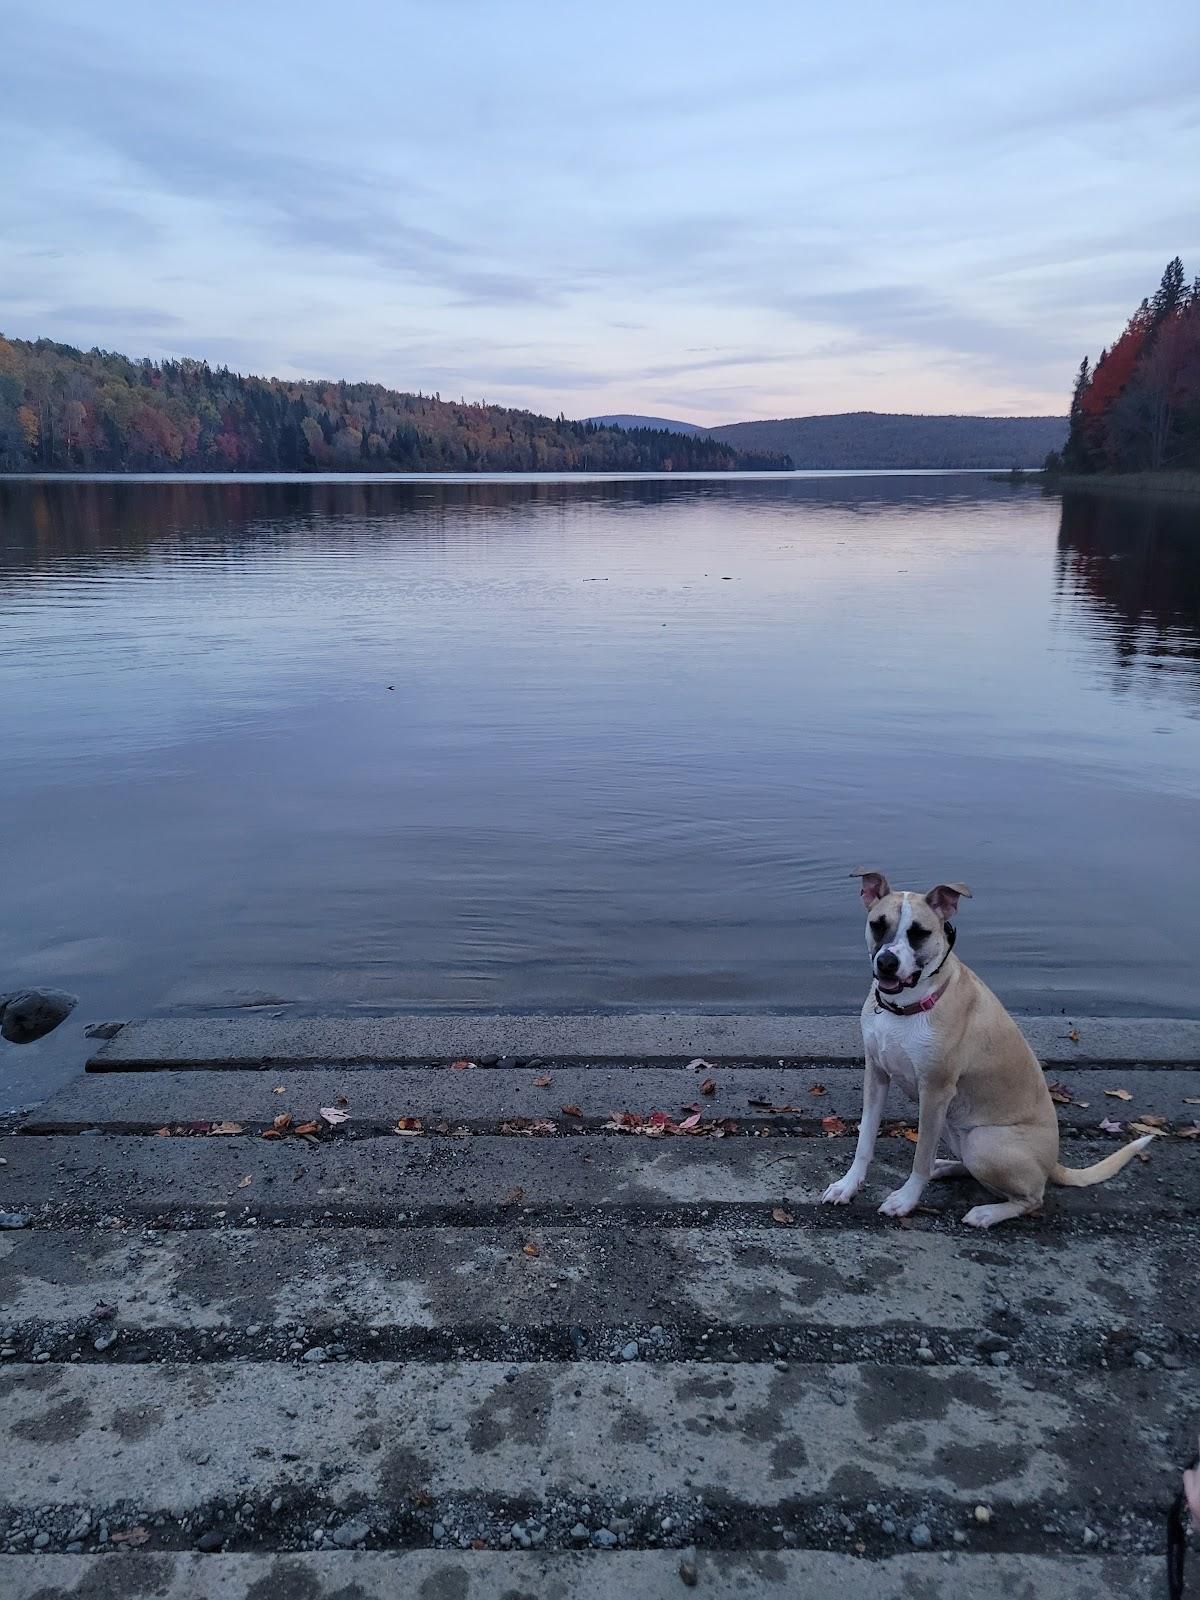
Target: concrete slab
650 1575
190 1041
424 1278
484 1099
436 1178
175 1439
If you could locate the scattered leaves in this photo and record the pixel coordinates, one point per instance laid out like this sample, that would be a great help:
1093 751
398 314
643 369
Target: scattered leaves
333 1115
833 1126
226 1127
1107 1125
530 1127
513 1197
783 1217
162 1133
709 1086
408 1125
1118 1094
543 1082
570 1111
1060 1094
461 1066
817 1088
531 1249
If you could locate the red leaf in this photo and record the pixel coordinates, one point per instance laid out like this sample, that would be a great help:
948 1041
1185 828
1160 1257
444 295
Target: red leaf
817 1088
461 1066
782 1216
833 1126
531 1249
570 1111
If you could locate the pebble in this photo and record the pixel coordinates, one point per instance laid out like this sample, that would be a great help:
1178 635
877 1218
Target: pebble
983 1513
688 1571
999 1358
351 1533
887 1525
1090 1536
921 1537
13 1219
781 1366
924 1353
41 1541
316 1354
579 1532
277 1503
604 1539
42 1355
212 1540
1142 1358
667 1524
959 1536
439 1530
104 1341
631 1351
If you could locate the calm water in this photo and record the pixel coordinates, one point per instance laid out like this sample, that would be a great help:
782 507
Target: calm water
561 744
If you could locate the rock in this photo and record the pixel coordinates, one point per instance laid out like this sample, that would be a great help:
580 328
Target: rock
13 1219
1090 1537
579 1533
688 1570
82 1527
29 1014
604 1539
277 1503
41 1540
924 1353
210 1541
1142 1358
439 1530
999 1358
315 1355
509 1061
102 1030
989 1342
983 1514
921 1537
667 1524
103 1342
356 1531
631 1351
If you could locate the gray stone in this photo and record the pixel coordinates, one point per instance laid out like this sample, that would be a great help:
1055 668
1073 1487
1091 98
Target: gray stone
579 1533
30 1014
921 1537
316 1355
1142 1358
604 1539
631 1351
351 1533
214 1539
13 1219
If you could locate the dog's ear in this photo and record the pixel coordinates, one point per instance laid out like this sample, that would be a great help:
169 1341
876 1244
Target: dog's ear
874 885
944 898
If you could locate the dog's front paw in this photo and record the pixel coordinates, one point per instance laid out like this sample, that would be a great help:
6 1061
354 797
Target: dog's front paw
903 1200
842 1192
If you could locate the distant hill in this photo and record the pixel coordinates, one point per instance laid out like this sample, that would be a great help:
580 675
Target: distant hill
866 439
624 419
63 409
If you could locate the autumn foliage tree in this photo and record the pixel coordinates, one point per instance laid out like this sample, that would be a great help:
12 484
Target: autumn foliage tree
1138 409
63 409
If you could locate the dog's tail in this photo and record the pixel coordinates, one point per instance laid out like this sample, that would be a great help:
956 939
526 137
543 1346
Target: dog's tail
1084 1177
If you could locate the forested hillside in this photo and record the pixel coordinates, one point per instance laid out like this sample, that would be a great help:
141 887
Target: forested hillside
864 439
66 409
1138 408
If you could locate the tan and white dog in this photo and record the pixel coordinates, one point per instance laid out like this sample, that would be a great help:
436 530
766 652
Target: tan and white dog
932 1026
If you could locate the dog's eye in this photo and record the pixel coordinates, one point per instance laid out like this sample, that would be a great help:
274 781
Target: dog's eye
918 935
879 926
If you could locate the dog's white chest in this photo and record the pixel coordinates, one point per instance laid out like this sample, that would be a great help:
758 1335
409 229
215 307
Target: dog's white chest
903 1046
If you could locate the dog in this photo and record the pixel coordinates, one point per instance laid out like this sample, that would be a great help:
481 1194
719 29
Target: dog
931 1025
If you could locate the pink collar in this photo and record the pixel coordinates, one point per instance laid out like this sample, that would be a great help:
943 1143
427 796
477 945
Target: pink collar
930 1000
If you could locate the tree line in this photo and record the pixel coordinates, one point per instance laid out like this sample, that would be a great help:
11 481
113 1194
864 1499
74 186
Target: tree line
63 409
1138 408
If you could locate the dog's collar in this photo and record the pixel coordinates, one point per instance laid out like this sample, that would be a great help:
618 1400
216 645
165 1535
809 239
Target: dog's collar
882 1003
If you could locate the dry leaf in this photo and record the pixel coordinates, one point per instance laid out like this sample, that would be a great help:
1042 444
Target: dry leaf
1152 1119
1109 1126
307 1129
461 1066
342 1101
246 1182
162 1133
134 1536
1118 1094
1189 1133
531 1249
226 1127
817 1088
699 1065
911 1135
1060 1094
513 1197
570 1111
1144 1127
833 1126
530 1127
333 1116
708 1086
689 1123
409 1125
1190 1100
1073 1035
782 1216
543 1082
282 1122
278 1090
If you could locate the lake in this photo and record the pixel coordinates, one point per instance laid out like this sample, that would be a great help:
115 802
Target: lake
539 743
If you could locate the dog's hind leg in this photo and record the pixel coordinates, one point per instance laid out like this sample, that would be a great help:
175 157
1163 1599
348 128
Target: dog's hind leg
1004 1160
989 1216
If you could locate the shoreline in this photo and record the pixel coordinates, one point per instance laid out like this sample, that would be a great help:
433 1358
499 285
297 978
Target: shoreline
1182 487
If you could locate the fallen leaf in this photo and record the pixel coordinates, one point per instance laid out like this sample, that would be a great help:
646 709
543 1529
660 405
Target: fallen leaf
307 1129
333 1116
1189 1133
342 1101
1060 1094
134 1536
1073 1035
689 1123
461 1066
1152 1119
817 1088
226 1127
409 1125
543 1082
1144 1127
479 1544
162 1133
282 1122
531 1249
1109 1126
759 1104
911 1135
1118 1094
708 1086
513 1197
570 1111
782 1216
530 1127
246 1182
279 1090
833 1126
699 1065
1190 1100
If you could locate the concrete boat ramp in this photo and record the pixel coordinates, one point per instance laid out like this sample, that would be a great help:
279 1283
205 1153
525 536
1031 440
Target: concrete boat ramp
308 1309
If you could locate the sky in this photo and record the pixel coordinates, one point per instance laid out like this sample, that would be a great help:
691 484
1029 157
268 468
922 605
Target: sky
695 210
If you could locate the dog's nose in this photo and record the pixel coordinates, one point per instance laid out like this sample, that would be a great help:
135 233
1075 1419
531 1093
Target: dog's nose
887 963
